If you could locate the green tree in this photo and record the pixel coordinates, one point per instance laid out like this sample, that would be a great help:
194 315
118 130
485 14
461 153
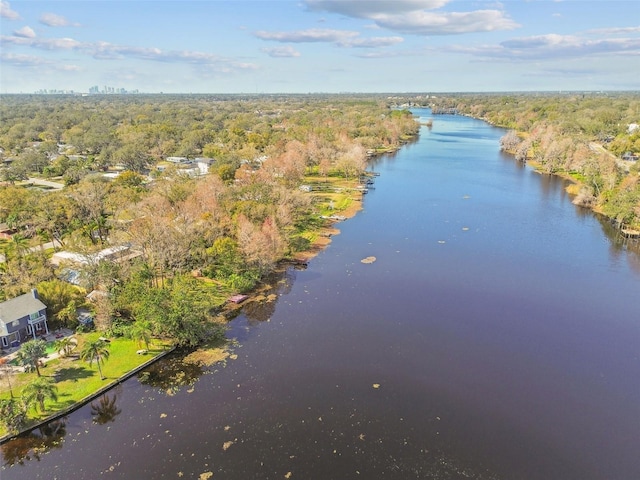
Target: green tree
61 299
66 345
140 332
38 391
69 314
19 245
98 351
179 310
31 352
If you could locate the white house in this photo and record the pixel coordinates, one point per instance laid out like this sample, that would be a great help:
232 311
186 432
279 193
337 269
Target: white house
204 164
177 160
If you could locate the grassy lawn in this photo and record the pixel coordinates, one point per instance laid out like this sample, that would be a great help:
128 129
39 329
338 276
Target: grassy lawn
76 379
333 194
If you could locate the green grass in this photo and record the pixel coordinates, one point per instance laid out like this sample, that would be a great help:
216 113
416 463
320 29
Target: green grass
51 348
76 380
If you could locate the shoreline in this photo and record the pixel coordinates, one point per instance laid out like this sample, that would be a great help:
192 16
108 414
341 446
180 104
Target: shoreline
327 232
228 311
85 400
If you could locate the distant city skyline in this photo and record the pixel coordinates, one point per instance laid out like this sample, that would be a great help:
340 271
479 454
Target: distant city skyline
314 46
93 90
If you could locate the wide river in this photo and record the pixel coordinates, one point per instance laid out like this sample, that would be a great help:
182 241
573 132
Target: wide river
495 336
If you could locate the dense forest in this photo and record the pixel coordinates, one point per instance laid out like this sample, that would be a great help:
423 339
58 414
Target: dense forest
159 242
592 138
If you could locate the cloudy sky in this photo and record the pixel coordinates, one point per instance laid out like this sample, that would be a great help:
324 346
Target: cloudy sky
300 46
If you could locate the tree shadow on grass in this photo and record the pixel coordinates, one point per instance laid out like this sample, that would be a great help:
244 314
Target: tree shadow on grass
72 374
63 402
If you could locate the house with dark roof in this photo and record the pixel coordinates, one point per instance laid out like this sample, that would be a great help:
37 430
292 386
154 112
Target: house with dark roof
22 317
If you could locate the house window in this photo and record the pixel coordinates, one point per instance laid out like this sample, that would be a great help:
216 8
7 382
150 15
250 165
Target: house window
38 326
15 323
29 329
5 342
34 316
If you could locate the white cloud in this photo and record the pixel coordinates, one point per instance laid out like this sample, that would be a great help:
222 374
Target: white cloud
70 68
22 60
109 51
306 36
374 42
341 38
7 12
281 52
427 23
614 31
42 43
53 20
552 47
26 32
414 17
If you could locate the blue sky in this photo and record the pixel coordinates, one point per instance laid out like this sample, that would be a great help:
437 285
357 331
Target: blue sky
301 46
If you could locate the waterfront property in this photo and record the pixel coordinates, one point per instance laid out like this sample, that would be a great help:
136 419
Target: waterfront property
20 318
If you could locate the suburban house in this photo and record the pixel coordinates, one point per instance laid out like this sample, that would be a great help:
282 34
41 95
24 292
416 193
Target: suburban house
204 164
22 317
71 263
112 254
178 160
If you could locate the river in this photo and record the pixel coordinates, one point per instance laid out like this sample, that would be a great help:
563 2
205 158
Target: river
495 336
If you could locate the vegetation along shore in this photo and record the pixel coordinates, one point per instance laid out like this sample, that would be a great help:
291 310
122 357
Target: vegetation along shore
593 139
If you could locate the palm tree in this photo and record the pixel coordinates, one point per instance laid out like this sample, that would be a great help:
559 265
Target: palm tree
65 346
4 363
39 390
19 244
31 352
97 350
140 332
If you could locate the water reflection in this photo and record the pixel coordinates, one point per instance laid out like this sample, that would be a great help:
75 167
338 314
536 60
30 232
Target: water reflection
620 247
35 443
262 306
554 189
171 373
104 410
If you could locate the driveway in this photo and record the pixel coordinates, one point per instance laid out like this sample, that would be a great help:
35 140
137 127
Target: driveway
46 183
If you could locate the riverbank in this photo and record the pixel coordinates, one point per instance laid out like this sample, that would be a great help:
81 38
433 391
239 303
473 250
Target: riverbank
68 375
574 188
349 198
591 152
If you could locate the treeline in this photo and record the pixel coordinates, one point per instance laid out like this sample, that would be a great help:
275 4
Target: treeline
592 137
195 239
